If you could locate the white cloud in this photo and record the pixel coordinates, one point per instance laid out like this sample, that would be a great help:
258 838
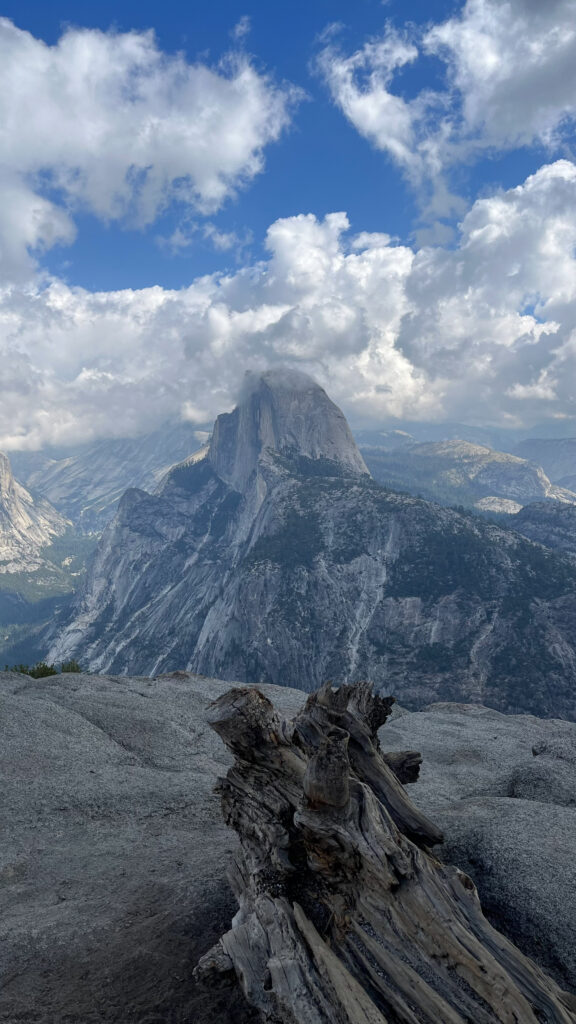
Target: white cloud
242 27
223 241
514 65
510 81
109 123
484 330
360 85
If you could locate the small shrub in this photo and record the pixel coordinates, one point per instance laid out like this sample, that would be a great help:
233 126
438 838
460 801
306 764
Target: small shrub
41 669
70 666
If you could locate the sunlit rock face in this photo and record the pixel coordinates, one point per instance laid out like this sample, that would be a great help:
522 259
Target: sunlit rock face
27 524
272 556
281 411
460 472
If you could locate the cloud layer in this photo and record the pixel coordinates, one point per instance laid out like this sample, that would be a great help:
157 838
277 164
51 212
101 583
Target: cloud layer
510 81
108 123
484 331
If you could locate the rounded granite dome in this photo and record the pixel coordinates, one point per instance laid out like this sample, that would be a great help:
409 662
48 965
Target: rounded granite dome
281 410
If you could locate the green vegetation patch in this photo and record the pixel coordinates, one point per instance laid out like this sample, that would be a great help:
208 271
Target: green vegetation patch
41 669
298 541
71 552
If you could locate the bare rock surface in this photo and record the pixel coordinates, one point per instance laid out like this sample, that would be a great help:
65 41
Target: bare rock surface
113 851
503 789
27 524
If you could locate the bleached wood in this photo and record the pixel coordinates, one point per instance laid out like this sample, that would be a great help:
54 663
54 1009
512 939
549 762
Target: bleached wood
345 916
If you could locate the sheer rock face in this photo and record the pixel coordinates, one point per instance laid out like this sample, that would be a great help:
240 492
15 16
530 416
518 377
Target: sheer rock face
273 557
283 411
345 917
27 524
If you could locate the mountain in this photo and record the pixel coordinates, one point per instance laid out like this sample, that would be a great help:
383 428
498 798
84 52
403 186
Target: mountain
501 439
273 556
459 472
551 523
388 440
41 562
86 484
557 456
27 524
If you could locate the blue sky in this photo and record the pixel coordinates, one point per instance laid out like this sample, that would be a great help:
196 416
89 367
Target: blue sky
170 209
319 165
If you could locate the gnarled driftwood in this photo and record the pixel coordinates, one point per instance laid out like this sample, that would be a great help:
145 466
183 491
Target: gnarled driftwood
345 915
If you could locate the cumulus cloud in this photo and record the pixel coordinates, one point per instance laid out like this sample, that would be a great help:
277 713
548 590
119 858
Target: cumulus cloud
107 122
510 81
484 330
513 65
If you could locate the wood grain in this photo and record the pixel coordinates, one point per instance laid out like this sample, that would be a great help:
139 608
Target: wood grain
345 915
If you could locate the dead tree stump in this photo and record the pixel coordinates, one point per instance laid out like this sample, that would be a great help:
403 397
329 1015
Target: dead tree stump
345 916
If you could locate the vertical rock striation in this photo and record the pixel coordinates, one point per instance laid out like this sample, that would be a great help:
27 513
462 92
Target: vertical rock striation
27 524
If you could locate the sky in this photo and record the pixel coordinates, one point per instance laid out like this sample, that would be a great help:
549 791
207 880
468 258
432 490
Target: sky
382 195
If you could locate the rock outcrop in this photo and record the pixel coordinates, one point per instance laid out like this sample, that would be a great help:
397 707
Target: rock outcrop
312 571
113 851
281 411
27 524
503 790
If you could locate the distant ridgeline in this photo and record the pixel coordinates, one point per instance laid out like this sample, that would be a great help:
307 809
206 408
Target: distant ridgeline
272 555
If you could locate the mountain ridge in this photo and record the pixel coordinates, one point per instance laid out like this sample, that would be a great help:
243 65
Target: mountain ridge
27 524
315 571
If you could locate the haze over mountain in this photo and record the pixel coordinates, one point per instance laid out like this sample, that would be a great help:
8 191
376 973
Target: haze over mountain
41 562
27 524
87 482
460 472
272 556
556 455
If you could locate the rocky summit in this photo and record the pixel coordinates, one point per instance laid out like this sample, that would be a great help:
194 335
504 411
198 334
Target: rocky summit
272 556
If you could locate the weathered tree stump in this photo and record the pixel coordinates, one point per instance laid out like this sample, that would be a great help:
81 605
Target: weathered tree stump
345 915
